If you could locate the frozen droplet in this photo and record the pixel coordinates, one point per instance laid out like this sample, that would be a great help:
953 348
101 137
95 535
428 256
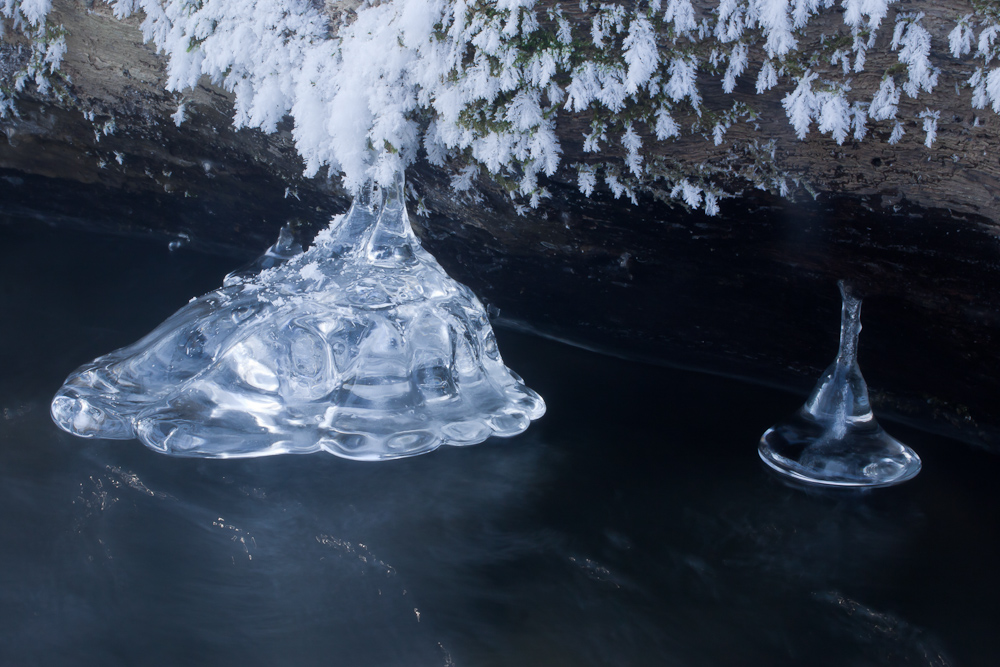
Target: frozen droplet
287 246
834 439
361 346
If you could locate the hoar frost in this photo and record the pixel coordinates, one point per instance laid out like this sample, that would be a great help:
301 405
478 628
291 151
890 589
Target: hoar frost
485 83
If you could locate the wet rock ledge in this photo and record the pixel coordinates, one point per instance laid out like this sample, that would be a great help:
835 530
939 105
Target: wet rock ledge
749 293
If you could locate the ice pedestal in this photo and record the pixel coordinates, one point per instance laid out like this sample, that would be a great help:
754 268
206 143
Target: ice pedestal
361 346
834 439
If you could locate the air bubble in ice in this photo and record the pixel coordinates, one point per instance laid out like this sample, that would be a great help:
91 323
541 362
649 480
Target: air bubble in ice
361 346
834 439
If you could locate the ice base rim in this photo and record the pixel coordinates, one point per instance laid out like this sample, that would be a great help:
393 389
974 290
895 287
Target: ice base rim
774 461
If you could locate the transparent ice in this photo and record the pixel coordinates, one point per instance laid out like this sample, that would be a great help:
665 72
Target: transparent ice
834 439
361 346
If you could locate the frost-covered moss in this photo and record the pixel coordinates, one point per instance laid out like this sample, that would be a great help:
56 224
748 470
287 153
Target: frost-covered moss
35 61
486 84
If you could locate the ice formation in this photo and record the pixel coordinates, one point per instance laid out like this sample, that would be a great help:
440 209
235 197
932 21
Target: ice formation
361 346
834 439
486 83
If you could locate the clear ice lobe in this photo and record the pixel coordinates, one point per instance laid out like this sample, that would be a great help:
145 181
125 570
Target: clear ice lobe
361 346
834 439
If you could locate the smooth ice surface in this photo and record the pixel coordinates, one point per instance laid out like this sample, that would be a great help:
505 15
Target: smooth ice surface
834 439
361 346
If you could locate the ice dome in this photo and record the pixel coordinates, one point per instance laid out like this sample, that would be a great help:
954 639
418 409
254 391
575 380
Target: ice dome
361 346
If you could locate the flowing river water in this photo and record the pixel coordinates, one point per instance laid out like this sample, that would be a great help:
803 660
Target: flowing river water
634 524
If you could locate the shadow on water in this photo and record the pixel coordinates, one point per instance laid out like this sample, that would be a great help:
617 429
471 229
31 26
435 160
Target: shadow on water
633 525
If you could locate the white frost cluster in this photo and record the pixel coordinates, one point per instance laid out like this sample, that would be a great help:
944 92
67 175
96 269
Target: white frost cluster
30 12
829 108
914 44
482 84
930 119
47 46
985 82
960 38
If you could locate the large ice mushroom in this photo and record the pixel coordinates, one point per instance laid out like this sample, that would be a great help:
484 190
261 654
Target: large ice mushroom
361 346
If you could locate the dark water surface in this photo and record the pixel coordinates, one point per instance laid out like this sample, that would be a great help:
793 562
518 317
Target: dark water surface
632 525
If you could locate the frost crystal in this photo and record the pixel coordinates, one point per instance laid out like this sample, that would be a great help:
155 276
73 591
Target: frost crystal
641 55
362 347
586 179
914 44
884 104
859 120
488 81
930 125
731 20
683 78
632 143
681 14
180 115
767 78
960 38
666 126
565 32
711 204
737 63
855 12
689 192
772 17
897 133
800 104
834 116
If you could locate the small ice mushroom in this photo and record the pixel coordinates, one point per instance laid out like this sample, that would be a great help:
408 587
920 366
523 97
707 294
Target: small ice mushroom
834 439
361 346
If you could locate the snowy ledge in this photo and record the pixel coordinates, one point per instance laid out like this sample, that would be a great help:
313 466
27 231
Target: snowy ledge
692 102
